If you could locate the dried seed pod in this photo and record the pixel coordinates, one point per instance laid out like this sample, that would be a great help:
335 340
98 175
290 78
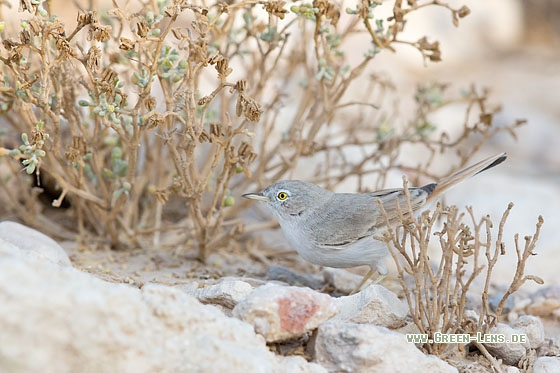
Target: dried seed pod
276 8
463 11
86 18
222 66
94 59
154 120
204 100
99 32
150 103
126 44
77 150
244 149
142 28
203 137
216 130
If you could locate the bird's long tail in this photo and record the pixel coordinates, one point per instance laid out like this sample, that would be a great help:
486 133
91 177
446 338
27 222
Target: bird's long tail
450 181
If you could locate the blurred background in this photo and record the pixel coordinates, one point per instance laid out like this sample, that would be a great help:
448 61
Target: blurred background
511 47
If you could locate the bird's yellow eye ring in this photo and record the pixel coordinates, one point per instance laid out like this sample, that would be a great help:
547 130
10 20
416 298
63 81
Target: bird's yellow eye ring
282 196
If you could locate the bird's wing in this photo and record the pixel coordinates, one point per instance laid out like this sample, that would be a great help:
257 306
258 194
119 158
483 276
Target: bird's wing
394 199
347 218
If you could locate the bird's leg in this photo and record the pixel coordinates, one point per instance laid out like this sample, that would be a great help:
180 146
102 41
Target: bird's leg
366 277
379 279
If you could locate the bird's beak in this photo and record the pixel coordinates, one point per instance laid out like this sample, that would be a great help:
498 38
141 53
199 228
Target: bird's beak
256 196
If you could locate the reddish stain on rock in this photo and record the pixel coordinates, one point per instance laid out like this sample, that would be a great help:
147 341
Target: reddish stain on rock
295 312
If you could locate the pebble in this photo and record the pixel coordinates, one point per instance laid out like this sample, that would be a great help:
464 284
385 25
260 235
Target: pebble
545 302
511 352
374 305
532 327
547 364
226 293
286 275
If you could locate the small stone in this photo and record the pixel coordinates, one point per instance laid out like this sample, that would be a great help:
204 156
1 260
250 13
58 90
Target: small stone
550 348
511 352
286 275
495 299
254 282
544 307
283 312
409 328
545 302
31 243
532 327
342 280
373 305
547 364
471 316
349 347
224 293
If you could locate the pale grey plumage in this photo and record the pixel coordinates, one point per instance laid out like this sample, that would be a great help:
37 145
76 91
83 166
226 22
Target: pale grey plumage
336 229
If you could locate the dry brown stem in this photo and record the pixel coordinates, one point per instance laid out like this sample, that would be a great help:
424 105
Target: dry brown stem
438 295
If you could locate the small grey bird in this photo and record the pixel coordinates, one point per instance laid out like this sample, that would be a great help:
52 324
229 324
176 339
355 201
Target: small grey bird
336 229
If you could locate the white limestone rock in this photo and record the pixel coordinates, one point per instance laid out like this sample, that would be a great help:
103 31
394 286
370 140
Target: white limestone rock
532 327
547 364
57 319
226 293
283 312
510 352
30 243
350 347
373 305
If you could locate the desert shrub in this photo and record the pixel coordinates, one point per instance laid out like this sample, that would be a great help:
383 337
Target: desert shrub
155 120
436 284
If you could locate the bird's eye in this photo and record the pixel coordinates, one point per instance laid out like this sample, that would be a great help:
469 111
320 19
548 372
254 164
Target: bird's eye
282 196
